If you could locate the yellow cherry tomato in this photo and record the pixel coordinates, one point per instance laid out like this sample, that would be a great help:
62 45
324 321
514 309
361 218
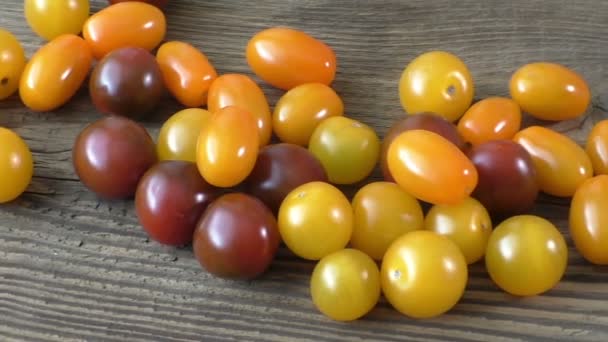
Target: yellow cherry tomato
12 63
431 168
561 164
345 285
550 91
227 147
467 224
526 255
423 274
178 136
315 219
52 18
589 220
300 110
437 82
597 147
383 212
493 118
55 73
16 165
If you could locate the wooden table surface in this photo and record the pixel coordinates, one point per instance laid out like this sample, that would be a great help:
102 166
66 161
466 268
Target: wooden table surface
73 267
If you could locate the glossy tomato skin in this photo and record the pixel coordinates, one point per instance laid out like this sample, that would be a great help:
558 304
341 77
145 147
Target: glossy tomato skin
55 73
50 19
170 199
127 24
348 149
126 82
596 147
236 238
588 219
242 91
383 212
16 165
493 118
286 58
187 72
416 271
279 169
550 91
437 82
300 110
111 155
339 278
561 164
158 3
427 121
507 182
227 147
178 136
431 168
526 255
12 63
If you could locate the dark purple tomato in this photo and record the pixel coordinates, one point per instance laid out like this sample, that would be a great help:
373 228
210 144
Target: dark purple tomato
127 82
281 168
236 238
426 121
111 155
507 183
157 3
170 199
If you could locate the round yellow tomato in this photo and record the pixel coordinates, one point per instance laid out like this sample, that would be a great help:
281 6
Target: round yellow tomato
589 220
16 165
12 63
178 136
437 82
493 118
423 274
52 18
597 147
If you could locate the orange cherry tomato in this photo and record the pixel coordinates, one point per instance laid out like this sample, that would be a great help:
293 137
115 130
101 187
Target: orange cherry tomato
597 147
286 58
227 147
431 168
561 164
12 62
55 73
550 91
126 24
16 165
50 19
178 136
187 72
240 90
493 118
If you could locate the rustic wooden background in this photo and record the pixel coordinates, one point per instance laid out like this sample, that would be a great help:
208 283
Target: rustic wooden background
73 267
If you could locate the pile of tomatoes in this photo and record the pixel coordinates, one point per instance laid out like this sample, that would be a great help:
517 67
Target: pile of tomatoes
238 178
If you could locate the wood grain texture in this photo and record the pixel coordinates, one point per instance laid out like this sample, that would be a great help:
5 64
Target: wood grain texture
76 268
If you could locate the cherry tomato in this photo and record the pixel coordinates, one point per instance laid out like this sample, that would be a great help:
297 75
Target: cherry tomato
279 169
52 18
345 285
16 165
597 147
431 168
526 255
12 63
157 3
241 91
178 136
561 164
589 220
187 72
300 110
128 24
111 155
423 274
170 198
126 82
227 147
348 149
467 224
55 73
383 212
286 58
236 238
550 91
315 220
427 121
437 82
493 118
